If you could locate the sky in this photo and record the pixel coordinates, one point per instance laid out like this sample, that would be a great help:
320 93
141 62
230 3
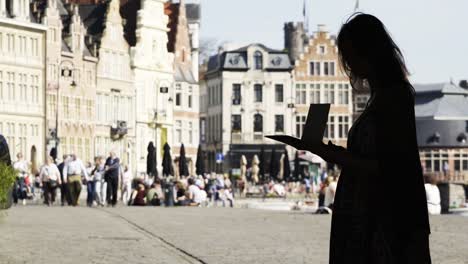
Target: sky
433 34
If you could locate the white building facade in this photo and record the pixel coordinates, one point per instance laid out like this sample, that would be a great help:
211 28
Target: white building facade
71 82
247 92
22 79
115 98
186 100
154 77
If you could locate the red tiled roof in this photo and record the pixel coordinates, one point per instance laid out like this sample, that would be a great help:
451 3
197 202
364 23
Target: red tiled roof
172 11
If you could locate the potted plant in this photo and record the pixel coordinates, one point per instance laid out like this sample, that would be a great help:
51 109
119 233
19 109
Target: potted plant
7 179
7 175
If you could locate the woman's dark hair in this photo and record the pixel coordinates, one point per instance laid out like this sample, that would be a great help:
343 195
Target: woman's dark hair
366 36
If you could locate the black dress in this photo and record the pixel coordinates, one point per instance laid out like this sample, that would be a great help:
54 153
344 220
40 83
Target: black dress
381 217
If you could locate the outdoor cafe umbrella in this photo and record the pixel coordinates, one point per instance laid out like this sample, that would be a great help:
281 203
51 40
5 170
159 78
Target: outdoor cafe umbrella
273 166
261 171
151 161
34 167
296 167
168 169
200 165
53 154
183 168
286 167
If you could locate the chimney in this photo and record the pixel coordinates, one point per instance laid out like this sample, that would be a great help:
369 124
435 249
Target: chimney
463 84
321 28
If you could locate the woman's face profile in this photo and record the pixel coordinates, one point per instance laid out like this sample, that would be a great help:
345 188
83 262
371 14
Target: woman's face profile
359 64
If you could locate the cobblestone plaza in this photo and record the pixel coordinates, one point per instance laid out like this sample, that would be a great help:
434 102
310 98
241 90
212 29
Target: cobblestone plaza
37 234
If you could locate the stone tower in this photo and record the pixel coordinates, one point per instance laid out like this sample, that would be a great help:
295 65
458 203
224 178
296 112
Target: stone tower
295 39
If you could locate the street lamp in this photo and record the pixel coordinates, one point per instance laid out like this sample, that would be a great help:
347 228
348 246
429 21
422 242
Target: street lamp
65 72
292 106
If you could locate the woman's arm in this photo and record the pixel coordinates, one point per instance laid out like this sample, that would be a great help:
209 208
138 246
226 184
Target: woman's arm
339 155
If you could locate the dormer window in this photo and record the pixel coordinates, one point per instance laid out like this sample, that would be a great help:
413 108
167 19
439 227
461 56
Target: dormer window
258 59
322 50
462 138
435 138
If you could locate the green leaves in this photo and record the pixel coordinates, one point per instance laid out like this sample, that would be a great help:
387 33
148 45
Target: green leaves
7 179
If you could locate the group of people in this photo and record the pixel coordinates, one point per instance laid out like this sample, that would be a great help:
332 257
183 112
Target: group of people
107 181
203 190
101 180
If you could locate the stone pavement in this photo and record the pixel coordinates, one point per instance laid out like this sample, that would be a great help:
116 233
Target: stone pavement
37 234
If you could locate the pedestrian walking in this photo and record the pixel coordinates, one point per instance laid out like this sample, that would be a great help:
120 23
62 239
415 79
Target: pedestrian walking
112 178
127 179
308 186
64 190
432 195
100 185
50 180
73 171
90 183
21 189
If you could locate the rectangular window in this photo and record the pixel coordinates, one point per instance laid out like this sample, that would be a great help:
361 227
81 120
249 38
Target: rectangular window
326 69
258 93
178 134
300 122
177 100
326 95
343 127
236 94
190 101
312 68
317 69
279 93
330 132
314 91
332 68
301 94
322 49
332 94
361 102
279 123
236 123
190 132
78 107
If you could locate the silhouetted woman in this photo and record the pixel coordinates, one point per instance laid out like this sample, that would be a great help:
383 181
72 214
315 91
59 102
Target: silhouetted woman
374 222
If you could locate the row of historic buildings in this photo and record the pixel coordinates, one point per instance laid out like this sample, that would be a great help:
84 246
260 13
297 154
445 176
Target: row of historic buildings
90 76
255 91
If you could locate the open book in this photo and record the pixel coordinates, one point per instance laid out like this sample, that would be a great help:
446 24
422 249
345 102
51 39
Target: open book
314 128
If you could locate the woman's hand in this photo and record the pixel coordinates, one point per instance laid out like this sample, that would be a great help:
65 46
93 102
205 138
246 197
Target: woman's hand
329 152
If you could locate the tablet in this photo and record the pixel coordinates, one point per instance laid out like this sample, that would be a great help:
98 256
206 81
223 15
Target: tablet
314 128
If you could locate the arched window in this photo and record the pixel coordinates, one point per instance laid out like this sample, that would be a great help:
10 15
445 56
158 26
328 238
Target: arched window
258 58
258 123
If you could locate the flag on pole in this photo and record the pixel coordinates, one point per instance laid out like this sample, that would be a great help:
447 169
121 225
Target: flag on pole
356 7
304 9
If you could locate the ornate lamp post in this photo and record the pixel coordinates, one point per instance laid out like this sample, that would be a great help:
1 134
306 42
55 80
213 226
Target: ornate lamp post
65 72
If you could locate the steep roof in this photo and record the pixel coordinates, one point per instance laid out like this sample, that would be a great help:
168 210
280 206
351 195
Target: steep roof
236 60
94 18
184 74
193 12
441 101
172 11
128 11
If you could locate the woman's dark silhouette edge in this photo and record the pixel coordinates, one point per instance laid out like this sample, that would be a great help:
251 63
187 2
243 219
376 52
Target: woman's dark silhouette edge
373 220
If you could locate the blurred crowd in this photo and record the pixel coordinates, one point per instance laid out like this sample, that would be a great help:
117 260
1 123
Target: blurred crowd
107 182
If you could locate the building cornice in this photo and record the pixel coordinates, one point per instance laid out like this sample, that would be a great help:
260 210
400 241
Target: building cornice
23 24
